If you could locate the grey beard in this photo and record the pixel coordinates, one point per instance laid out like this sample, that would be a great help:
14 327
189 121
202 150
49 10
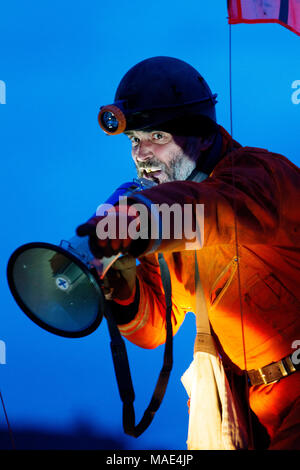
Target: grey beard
182 168
179 169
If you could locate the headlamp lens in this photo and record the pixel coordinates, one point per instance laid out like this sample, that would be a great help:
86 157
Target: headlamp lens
112 119
109 120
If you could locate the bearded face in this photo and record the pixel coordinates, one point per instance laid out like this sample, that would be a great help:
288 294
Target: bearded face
162 157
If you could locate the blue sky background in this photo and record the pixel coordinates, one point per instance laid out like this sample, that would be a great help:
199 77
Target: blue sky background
60 61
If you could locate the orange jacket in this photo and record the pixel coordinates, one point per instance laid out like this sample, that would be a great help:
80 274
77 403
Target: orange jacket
265 194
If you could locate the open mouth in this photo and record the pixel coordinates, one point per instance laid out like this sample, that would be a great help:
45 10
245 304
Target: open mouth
151 173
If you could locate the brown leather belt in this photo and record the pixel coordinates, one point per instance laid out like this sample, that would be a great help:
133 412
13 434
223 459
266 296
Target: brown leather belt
273 372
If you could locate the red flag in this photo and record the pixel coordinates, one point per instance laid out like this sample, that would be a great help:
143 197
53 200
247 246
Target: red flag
284 12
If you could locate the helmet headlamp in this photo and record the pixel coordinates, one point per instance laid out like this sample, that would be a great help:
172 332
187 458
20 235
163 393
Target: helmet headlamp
157 91
112 119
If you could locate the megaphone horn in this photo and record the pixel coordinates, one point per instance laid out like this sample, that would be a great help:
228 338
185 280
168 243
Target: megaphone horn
58 287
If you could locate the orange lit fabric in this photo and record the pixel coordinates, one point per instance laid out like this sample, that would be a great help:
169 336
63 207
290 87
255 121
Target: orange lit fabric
278 408
267 211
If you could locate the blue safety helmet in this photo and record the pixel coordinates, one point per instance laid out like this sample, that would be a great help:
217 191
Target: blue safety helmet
155 94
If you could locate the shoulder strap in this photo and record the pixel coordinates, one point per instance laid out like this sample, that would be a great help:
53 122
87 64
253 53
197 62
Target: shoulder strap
204 341
122 369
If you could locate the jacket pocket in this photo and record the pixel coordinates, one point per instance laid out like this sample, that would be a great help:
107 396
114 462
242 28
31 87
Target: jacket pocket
268 293
222 282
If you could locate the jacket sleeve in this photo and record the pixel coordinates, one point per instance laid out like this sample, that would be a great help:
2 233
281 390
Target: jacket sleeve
259 190
148 327
246 191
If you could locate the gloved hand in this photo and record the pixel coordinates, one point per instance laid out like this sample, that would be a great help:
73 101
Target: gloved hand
119 283
121 241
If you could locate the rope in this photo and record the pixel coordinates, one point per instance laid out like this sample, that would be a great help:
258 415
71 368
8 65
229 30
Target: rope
251 440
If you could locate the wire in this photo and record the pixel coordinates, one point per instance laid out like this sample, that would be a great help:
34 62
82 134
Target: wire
230 81
251 440
7 422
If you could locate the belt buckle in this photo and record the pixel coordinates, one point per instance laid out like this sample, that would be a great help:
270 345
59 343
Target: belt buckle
290 364
282 368
285 367
262 375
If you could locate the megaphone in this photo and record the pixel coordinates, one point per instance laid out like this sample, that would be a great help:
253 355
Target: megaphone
57 286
